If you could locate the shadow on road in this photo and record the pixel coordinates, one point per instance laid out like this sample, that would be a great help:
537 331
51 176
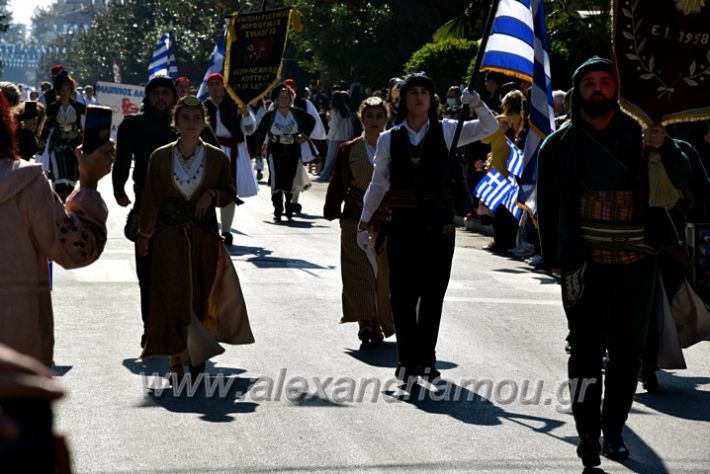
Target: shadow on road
61 370
216 406
159 366
297 224
385 355
679 397
278 262
240 250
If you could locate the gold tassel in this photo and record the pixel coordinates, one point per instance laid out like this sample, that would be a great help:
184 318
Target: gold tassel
296 19
661 192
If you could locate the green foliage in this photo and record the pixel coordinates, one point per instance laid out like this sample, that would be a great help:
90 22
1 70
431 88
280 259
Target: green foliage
128 31
447 62
365 41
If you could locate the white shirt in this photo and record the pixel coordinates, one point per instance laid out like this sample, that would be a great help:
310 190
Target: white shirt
473 130
188 175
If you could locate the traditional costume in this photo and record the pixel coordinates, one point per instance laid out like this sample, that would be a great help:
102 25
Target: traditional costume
193 285
365 294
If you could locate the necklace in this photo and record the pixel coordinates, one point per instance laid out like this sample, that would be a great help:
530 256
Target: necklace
188 170
415 160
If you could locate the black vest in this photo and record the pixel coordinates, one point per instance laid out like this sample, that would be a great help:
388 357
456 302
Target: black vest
229 114
421 178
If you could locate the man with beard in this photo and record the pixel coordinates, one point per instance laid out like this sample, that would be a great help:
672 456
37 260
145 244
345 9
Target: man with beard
137 137
596 225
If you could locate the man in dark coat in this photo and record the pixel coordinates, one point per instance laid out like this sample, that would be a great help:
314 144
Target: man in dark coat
597 226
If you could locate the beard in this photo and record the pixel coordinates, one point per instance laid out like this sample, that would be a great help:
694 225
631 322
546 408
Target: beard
597 108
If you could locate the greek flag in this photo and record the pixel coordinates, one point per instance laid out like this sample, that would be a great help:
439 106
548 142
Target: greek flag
518 46
216 64
163 61
495 188
514 164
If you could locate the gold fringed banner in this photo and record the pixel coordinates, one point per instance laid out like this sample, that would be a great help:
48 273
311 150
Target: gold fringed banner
255 47
662 53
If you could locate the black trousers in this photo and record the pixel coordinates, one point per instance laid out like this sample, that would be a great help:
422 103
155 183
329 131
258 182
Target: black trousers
420 267
611 314
505 228
277 199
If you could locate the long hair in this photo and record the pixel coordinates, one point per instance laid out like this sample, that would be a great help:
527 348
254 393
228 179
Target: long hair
341 103
8 129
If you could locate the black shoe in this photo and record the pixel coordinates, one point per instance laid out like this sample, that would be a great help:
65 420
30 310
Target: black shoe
649 380
227 239
430 374
588 450
405 374
259 175
365 336
297 208
238 201
277 217
615 449
289 215
197 370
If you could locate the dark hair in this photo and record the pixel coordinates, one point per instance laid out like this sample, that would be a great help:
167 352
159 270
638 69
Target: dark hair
341 103
373 102
8 130
189 102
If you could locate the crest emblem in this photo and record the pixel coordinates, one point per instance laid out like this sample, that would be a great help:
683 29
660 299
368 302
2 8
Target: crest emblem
690 7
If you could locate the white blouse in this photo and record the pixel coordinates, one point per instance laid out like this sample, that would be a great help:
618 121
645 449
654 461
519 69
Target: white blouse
188 174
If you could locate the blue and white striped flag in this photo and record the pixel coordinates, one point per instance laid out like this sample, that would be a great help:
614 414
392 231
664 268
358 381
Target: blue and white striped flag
494 188
163 63
514 164
518 46
216 64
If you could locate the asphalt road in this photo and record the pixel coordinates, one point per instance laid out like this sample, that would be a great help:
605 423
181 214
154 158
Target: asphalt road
306 398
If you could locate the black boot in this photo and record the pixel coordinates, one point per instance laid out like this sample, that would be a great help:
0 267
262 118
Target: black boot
588 450
615 448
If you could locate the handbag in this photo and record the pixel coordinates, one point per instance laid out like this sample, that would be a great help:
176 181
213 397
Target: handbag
132 227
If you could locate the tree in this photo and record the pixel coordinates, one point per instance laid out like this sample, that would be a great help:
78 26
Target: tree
576 30
129 31
365 41
445 61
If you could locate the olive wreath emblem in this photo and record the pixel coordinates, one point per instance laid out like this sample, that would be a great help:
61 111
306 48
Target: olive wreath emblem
647 67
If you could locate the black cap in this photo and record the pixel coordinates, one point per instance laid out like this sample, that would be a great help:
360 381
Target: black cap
419 79
160 81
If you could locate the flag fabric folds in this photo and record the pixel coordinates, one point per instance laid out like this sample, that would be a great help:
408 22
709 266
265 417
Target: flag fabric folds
216 64
518 46
495 189
163 63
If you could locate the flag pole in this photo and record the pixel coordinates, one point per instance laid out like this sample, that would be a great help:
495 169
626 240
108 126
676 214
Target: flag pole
474 76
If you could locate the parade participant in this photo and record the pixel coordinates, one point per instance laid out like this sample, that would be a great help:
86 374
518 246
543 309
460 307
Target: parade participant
411 162
258 109
138 136
285 129
452 108
182 86
63 133
365 294
340 130
36 226
311 148
231 124
185 181
593 184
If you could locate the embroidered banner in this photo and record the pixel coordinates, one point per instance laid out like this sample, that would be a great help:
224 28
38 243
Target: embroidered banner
255 47
662 51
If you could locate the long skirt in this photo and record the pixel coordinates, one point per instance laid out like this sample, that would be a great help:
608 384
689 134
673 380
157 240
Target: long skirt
365 295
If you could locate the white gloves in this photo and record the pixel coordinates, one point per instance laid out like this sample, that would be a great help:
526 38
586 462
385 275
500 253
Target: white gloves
363 239
470 97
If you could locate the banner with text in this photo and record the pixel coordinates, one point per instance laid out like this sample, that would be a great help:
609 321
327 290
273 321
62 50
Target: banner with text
662 52
255 47
124 99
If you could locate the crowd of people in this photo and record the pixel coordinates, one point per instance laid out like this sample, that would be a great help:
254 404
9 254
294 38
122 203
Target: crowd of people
398 185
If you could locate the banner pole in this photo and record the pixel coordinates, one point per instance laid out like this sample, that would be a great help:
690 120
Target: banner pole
474 75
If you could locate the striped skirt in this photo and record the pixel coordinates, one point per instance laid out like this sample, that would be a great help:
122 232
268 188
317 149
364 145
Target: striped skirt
365 298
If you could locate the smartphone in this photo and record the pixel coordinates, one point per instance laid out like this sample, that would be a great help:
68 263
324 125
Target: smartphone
30 110
97 127
33 449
